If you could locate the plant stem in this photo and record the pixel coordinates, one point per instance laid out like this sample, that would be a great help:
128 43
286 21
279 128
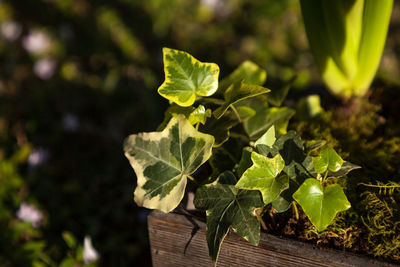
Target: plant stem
295 210
236 112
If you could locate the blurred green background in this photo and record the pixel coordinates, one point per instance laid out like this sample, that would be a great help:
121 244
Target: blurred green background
77 76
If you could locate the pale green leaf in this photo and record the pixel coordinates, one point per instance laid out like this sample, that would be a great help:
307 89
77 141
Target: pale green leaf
248 72
228 207
186 77
309 107
328 159
321 204
263 176
237 92
163 160
268 138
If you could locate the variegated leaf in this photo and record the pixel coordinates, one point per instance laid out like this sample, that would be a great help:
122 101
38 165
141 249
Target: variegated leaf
186 78
163 160
228 207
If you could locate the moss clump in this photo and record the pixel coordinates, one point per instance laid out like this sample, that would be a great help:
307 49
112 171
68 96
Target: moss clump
366 134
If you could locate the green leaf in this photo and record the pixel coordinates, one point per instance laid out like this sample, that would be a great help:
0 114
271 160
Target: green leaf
277 96
309 107
69 239
319 204
163 160
344 170
245 161
298 165
226 156
265 117
328 159
228 207
263 176
268 138
194 115
313 145
220 128
248 72
186 78
237 92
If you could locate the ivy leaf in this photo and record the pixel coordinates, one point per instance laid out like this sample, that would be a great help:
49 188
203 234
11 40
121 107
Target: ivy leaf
276 97
268 138
237 92
194 115
186 77
344 170
220 128
247 72
298 165
263 176
327 159
228 207
163 160
319 204
245 161
265 117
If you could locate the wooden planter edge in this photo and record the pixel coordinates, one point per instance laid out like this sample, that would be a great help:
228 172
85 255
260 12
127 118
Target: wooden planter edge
179 240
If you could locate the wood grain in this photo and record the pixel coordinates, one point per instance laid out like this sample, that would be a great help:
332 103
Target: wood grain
179 240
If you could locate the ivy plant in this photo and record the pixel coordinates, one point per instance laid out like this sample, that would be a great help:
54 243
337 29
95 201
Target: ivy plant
230 138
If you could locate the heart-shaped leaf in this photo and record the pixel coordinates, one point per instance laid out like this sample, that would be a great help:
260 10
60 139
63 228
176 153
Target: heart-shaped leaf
163 160
321 204
327 159
248 72
237 92
263 176
228 207
186 77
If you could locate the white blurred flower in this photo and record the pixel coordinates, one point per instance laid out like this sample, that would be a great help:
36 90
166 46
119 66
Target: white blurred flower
90 254
38 157
221 8
28 213
44 68
37 42
71 122
10 30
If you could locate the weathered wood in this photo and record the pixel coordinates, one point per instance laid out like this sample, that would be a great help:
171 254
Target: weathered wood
179 240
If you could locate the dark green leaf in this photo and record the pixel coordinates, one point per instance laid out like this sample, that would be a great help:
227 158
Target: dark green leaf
321 204
245 161
277 96
228 207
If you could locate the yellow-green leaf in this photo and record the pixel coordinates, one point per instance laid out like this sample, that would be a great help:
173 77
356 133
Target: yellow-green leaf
187 77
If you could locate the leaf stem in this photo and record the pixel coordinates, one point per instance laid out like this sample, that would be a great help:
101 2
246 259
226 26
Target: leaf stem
295 210
261 222
236 112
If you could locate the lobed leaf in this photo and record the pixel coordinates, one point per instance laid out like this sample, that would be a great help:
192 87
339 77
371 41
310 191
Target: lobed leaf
228 207
263 176
187 77
163 160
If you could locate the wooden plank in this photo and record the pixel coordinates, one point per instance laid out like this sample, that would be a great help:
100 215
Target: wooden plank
179 240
